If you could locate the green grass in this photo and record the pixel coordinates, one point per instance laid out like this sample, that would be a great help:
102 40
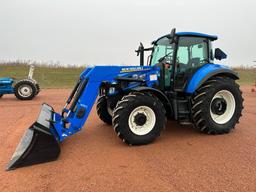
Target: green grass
47 77
62 77
247 76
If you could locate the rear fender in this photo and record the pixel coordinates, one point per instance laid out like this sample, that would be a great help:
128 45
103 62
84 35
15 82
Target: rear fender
207 71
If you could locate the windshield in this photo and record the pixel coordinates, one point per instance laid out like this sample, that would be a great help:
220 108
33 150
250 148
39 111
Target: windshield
161 49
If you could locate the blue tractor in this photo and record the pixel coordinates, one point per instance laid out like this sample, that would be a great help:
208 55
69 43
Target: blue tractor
180 82
25 89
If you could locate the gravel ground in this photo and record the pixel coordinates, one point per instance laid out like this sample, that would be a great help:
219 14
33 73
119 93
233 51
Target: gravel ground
182 159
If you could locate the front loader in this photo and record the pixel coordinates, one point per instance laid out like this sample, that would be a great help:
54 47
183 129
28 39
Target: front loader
180 81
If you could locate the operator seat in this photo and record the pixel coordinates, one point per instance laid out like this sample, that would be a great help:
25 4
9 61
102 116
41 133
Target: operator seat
194 62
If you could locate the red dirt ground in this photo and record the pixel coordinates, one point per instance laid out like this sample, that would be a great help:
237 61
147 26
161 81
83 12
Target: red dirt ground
96 160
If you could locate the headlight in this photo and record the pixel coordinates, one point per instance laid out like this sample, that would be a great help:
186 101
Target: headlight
111 90
135 76
143 76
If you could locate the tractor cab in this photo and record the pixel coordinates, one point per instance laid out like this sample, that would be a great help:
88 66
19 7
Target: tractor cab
180 55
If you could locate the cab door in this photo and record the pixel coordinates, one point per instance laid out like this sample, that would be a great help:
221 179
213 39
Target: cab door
192 53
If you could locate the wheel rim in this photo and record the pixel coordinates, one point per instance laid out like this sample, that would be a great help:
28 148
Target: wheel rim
223 106
110 109
142 120
25 90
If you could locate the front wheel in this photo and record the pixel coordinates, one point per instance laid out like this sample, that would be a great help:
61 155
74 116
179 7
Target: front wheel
139 118
38 89
217 106
103 110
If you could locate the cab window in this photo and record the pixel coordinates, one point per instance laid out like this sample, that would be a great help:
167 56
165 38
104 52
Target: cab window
192 53
182 55
161 49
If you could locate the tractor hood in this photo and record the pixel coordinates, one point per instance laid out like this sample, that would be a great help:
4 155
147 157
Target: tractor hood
6 80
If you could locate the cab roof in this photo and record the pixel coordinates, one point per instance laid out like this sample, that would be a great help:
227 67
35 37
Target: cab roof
211 37
194 34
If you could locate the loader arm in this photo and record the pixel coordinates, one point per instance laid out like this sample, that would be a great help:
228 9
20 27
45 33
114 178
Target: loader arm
86 91
40 143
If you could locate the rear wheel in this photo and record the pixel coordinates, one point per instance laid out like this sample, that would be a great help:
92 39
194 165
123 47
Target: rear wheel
25 90
139 118
217 106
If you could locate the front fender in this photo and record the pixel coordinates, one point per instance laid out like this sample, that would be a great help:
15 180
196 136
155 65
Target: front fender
207 71
159 94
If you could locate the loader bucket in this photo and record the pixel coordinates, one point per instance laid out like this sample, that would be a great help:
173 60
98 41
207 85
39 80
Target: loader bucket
38 144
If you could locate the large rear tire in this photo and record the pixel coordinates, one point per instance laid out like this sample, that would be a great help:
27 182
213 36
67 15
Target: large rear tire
25 90
217 106
139 118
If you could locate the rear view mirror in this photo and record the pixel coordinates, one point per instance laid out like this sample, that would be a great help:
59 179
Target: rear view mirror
219 54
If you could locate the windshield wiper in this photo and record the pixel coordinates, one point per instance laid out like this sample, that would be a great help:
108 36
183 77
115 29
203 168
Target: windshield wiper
162 58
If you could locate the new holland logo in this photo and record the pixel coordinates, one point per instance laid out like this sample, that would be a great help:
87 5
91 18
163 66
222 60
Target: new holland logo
133 69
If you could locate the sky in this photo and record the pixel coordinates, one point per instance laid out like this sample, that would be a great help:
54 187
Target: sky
96 32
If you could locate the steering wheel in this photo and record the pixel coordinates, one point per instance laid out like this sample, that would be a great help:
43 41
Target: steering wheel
203 61
166 64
